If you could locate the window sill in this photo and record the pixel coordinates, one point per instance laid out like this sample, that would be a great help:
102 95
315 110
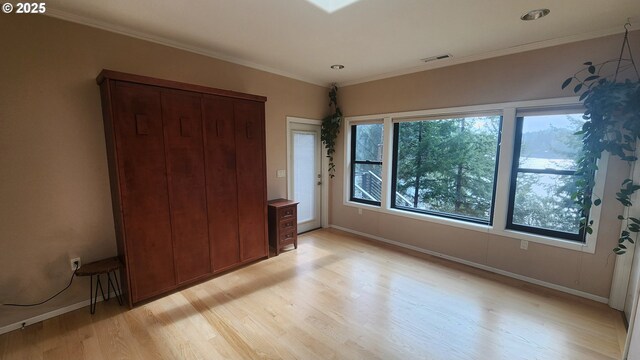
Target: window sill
515 235
545 240
364 206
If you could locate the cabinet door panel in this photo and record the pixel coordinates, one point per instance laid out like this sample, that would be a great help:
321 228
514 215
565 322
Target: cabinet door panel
137 122
181 114
250 154
222 194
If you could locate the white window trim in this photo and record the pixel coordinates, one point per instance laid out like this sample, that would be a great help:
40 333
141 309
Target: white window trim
503 181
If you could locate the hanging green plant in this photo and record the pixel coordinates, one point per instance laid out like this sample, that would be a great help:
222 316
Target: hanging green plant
612 114
331 128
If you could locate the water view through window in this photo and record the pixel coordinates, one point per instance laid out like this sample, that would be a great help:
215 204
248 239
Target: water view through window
544 174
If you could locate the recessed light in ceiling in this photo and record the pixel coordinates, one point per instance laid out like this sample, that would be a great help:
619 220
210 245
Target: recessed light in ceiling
535 14
337 67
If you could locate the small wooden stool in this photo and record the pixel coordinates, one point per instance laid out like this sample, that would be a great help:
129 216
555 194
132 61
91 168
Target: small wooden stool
106 266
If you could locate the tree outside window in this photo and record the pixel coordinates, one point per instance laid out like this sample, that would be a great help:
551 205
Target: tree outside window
446 167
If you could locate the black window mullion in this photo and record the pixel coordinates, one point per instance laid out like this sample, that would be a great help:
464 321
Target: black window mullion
547 171
514 171
495 173
367 162
394 164
354 130
443 214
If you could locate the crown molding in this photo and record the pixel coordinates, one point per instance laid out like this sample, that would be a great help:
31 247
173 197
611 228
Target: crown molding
127 31
493 54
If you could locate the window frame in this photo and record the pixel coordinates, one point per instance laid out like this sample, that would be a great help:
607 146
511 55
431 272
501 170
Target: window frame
515 170
354 162
508 110
394 177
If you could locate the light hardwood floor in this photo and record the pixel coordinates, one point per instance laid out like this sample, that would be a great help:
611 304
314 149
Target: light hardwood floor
340 297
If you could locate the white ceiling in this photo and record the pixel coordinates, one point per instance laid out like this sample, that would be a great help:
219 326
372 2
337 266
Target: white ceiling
372 38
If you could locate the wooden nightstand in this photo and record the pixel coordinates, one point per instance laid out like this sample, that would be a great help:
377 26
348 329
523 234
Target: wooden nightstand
283 224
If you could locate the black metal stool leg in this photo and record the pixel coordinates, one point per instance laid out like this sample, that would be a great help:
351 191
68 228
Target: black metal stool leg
108 292
91 309
101 290
115 289
94 298
109 284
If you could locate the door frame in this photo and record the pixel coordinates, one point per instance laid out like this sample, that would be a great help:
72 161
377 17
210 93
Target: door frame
324 201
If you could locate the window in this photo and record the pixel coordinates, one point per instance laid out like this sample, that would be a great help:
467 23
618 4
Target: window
366 163
546 153
446 167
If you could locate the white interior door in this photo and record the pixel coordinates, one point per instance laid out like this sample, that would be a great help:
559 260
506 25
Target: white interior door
306 174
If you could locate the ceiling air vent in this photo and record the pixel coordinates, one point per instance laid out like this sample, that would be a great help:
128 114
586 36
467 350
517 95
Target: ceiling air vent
434 58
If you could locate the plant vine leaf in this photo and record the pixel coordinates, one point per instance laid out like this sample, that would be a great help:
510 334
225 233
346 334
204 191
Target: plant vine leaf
612 114
331 128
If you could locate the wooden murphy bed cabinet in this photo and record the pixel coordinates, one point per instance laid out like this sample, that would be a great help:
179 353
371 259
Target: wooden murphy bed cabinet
188 182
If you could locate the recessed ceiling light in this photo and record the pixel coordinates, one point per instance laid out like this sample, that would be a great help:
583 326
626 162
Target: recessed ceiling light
535 14
337 67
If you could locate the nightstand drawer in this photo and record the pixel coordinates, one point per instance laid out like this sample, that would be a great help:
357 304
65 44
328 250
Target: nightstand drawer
287 237
287 213
287 224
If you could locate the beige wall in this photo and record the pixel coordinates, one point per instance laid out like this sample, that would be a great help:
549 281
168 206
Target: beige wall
54 189
525 76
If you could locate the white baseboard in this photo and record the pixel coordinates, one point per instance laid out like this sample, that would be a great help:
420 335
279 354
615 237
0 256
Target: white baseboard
479 266
50 314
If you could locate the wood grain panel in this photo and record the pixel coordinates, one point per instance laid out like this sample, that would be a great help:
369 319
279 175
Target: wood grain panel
181 114
250 155
222 191
143 184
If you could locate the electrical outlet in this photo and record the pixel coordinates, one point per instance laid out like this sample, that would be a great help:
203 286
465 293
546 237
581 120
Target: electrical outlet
359 211
524 244
75 263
